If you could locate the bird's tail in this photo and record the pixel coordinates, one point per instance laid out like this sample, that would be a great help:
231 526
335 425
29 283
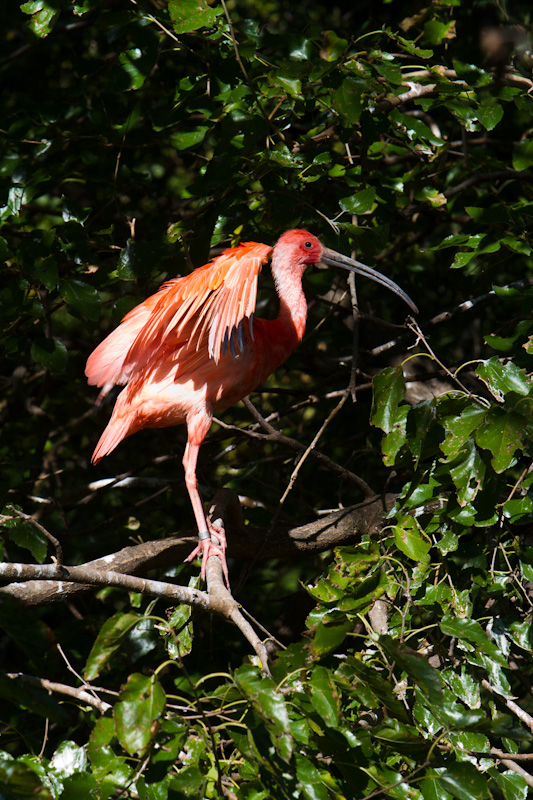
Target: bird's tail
117 429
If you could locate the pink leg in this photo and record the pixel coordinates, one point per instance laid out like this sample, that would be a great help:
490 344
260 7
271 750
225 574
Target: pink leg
205 529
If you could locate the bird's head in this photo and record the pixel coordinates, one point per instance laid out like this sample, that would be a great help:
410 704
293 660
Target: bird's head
301 248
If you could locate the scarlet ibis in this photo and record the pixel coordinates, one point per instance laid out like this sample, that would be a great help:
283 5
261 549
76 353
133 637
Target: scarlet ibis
194 347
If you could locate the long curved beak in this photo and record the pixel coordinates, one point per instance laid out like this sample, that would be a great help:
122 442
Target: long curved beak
334 259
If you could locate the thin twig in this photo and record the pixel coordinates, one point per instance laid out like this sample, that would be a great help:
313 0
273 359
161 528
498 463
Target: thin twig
356 317
413 326
305 454
277 436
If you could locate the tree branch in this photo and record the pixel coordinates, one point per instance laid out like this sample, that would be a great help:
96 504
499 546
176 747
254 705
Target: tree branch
80 694
343 527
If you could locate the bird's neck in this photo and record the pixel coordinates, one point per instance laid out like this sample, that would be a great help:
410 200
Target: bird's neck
288 329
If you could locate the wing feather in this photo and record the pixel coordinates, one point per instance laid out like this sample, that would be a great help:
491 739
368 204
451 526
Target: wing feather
105 365
210 302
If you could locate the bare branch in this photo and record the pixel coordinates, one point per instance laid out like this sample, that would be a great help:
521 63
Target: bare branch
79 694
522 715
343 527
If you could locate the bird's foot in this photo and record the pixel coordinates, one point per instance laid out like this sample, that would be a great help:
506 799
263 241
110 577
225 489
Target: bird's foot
207 548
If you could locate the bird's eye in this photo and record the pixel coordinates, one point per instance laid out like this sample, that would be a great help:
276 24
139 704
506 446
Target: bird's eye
308 244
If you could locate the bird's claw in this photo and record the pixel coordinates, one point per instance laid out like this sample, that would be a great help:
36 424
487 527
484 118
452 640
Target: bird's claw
207 548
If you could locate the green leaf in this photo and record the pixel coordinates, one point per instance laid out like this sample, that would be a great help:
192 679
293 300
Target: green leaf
26 535
184 139
108 641
333 46
73 212
501 378
409 538
464 781
432 788
419 421
19 781
348 100
512 785
179 639
329 635
51 353
293 86
459 429
471 631
435 31
467 471
79 786
388 390
68 759
325 697
269 704
310 778
141 702
81 298
137 62
360 202
506 343
502 432
44 14
523 155
189 15
489 115
392 443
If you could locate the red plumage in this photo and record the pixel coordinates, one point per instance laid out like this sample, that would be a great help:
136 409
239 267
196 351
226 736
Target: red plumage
194 347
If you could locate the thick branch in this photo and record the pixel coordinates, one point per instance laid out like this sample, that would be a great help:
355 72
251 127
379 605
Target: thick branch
339 528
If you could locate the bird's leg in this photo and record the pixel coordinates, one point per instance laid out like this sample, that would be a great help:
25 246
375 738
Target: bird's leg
205 529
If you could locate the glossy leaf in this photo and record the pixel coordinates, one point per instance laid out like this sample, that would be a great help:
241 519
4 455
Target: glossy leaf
472 631
81 297
409 538
465 782
348 99
108 641
502 432
388 389
467 471
324 696
360 202
141 703
43 16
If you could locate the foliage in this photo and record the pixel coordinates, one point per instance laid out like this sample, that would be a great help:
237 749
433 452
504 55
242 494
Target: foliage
136 134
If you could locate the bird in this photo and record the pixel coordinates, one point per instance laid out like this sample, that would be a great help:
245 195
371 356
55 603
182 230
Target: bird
194 347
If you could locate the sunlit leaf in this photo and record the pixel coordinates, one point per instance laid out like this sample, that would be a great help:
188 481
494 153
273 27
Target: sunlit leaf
410 539
502 378
189 15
